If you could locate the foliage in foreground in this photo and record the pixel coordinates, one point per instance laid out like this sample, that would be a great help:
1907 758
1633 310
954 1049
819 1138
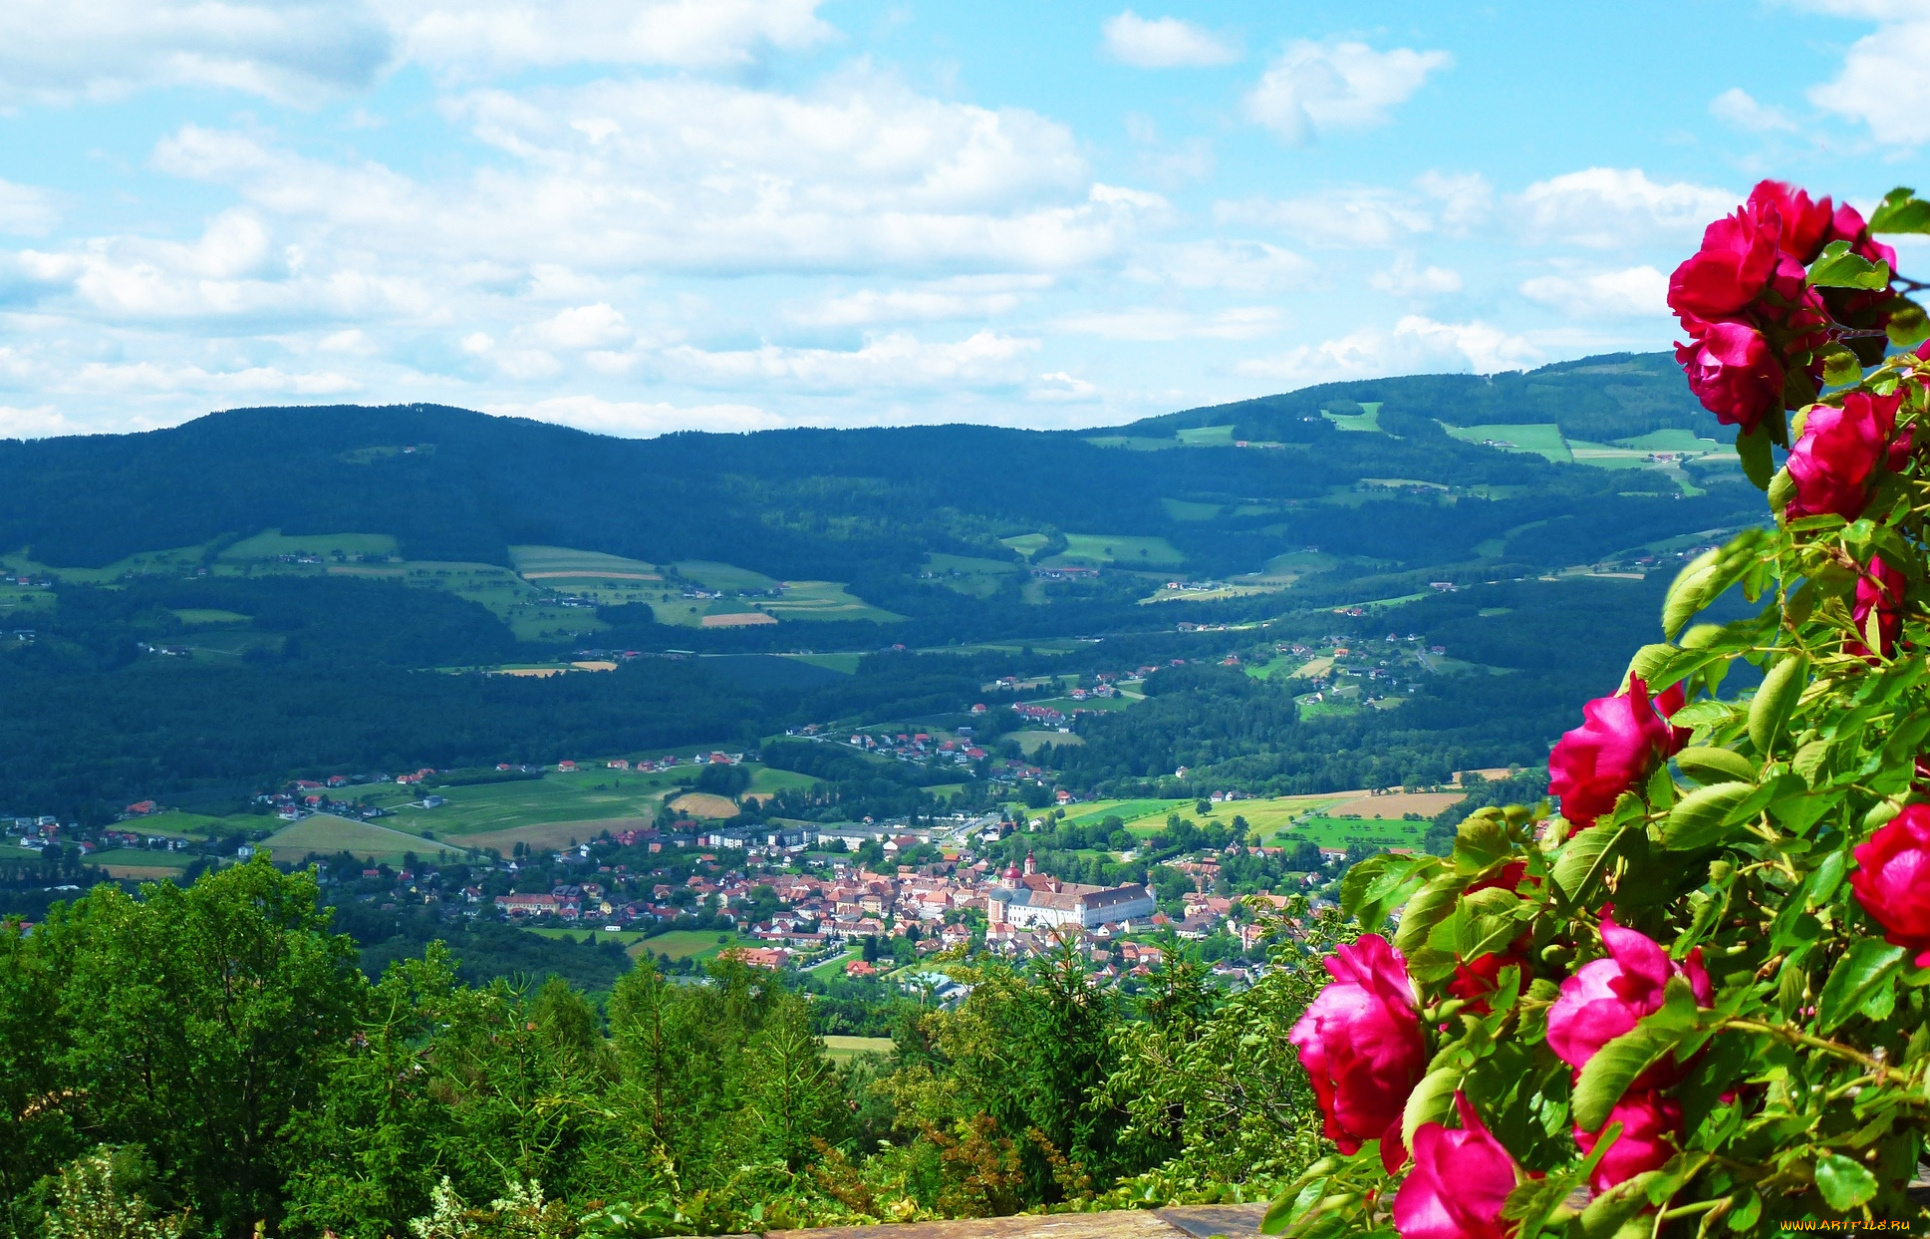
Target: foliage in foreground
210 1060
1698 999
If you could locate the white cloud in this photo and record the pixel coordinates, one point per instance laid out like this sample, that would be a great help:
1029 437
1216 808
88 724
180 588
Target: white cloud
1464 197
896 360
1059 386
36 423
1607 208
288 50
1359 216
1150 324
636 418
586 327
1406 278
710 178
1239 266
1415 345
940 301
1314 88
1738 109
25 210
1633 292
469 37
1165 43
1885 79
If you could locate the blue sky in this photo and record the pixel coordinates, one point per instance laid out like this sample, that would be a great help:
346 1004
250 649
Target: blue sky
732 214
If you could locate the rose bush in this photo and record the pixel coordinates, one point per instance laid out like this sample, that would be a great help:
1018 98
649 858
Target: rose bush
1691 995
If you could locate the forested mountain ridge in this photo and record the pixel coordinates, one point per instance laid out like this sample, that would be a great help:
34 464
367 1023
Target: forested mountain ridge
455 485
268 591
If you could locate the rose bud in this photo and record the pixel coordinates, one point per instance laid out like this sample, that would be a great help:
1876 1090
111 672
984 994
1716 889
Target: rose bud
1892 880
1878 590
1733 373
1360 1041
1608 996
1837 457
1620 744
1460 1181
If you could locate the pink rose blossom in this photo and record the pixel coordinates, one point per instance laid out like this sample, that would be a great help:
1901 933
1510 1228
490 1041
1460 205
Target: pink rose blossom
1892 880
1651 1123
1836 459
1360 1041
1621 742
1460 1181
1608 996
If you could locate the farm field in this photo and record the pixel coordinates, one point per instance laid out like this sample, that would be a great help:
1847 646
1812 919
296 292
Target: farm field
1542 439
171 562
1118 549
841 1049
1264 815
1339 832
1206 436
969 575
195 825
325 834
272 544
1399 804
595 933
844 664
700 944
549 836
1029 742
1026 544
484 808
1366 421
704 804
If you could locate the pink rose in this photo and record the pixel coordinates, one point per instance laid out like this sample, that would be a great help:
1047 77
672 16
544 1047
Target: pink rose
1836 459
1651 1123
1732 371
1620 744
1459 1183
1892 880
1805 224
1879 590
1739 254
1608 996
1848 226
1360 1041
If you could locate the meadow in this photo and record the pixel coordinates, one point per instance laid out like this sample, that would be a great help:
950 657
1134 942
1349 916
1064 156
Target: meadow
841 1049
324 834
1120 550
700 944
1265 816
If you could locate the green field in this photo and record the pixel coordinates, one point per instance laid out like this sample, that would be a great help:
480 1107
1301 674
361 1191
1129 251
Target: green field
594 932
584 796
1367 421
841 1049
1148 817
192 825
325 834
143 857
1543 439
546 561
1340 832
1118 549
1206 436
1027 544
145 563
966 574
844 664
1186 510
690 943
1674 439
273 544
209 615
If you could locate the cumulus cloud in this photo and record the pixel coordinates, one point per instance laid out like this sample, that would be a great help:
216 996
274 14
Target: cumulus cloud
1885 78
895 360
938 301
1738 109
1632 292
38 422
703 177
1313 88
1352 217
1407 278
1606 208
1165 43
469 37
1152 324
287 50
1235 265
1061 386
1415 345
586 327
638 418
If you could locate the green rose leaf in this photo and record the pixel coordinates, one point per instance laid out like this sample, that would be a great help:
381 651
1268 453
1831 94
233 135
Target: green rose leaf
1776 700
1615 1066
1901 211
1844 1183
1837 267
1712 765
1865 969
1698 819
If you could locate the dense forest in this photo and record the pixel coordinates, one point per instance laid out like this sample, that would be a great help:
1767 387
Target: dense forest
339 673
211 1061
